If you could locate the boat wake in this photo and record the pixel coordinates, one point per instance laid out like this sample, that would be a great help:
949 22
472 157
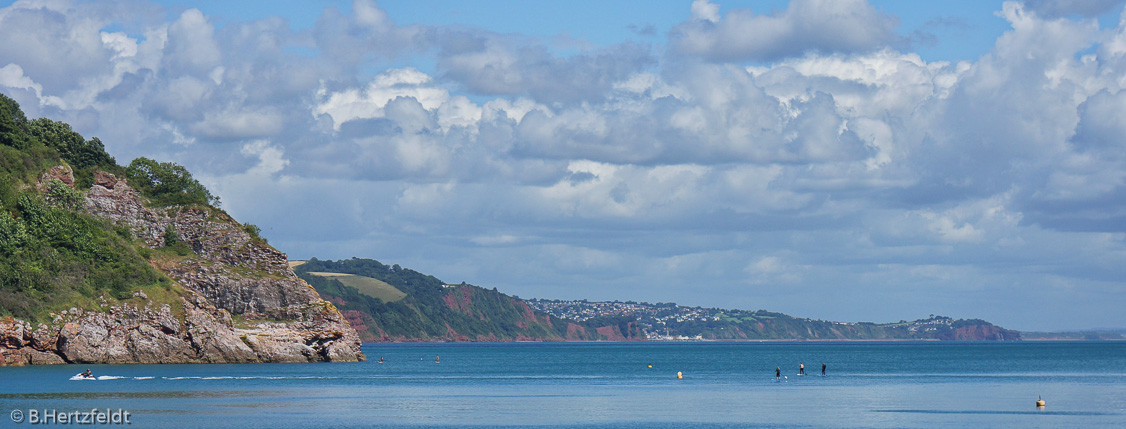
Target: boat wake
77 377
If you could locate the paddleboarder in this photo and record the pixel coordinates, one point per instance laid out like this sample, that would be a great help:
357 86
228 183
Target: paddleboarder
822 368
801 369
778 373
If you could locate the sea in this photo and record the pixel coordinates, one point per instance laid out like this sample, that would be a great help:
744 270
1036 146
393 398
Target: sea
628 385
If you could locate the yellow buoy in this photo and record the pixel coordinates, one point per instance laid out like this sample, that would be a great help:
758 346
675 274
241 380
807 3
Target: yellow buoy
1039 402
679 375
650 365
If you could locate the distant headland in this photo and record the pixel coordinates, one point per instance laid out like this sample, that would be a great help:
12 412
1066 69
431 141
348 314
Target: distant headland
392 303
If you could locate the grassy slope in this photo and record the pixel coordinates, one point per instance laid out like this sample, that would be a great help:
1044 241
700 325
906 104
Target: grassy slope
366 285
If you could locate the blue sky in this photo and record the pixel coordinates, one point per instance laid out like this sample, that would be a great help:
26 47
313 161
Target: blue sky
841 160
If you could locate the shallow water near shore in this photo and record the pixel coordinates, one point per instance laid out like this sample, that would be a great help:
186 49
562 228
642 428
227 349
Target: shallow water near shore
895 384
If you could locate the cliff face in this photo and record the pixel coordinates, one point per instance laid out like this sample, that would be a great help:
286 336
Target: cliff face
980 332
516 321
128 334
239 302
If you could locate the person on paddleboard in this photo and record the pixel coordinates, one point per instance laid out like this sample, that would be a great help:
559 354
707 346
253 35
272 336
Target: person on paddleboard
822 368
778 373
801 369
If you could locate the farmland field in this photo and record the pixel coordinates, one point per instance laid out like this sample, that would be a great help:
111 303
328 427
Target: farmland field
366 285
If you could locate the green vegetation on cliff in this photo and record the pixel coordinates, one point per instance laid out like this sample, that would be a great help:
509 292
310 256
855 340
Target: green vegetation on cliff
167 184
83 156
53 255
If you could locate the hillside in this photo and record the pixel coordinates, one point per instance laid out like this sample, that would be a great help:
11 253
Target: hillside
101 263
435 311
668 321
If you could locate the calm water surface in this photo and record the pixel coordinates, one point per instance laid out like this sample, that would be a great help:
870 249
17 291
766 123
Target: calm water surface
610 384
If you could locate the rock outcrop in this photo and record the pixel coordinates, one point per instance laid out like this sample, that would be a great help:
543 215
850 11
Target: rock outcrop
240 302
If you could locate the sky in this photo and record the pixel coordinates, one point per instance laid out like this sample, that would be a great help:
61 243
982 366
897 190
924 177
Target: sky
838 160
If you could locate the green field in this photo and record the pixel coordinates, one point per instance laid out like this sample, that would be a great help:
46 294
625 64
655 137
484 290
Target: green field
366 285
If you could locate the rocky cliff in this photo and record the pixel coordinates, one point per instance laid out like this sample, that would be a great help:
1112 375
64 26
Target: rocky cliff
234 299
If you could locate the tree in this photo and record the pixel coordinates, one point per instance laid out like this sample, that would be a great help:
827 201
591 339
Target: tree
77 151
171 238
13 124
254 231
168 183
13 234
61 195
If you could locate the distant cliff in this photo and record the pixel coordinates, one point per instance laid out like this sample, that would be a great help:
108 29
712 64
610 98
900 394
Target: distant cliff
426 309
93 270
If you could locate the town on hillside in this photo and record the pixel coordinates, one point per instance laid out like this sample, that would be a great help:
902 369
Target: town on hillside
672 322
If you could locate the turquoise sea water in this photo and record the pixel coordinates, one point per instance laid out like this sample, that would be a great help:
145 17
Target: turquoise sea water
902 384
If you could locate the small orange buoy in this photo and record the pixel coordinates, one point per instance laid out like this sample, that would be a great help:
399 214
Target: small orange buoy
1039 402
679 375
